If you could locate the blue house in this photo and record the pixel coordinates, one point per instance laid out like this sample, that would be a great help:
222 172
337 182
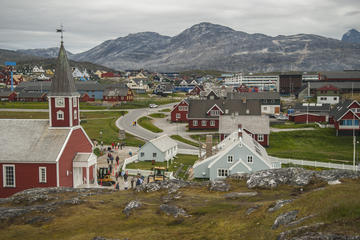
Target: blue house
238 153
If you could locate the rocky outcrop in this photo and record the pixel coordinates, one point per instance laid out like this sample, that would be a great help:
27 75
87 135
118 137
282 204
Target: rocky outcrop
324 236
351 36
279 203
236 195
298 231
173 210
285 218
172 185
131 206
295 176
219 186
252 209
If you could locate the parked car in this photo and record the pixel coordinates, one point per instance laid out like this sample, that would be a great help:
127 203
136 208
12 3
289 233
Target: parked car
153 105
281 117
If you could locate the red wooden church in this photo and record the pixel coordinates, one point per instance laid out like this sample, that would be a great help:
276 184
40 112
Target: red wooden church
48 153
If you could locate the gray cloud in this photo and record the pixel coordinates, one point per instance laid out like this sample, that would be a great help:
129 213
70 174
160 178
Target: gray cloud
29 24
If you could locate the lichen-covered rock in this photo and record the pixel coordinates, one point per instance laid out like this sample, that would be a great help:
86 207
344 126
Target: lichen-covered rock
235 195
130 206
172 185
252 209
279 203
173 210
219 186
297 231
272 178
285 218
324 236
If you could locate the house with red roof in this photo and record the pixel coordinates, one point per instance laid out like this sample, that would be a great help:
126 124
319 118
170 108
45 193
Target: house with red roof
328 94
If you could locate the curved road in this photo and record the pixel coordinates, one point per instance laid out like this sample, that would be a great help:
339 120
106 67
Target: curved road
125 123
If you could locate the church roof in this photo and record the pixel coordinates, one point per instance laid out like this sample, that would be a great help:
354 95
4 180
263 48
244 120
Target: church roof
63 83
30 140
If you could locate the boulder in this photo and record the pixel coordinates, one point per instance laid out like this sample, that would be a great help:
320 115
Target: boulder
130 206
173 210
285 218
252 209
279 203
324 236
235 195
297 231
219 186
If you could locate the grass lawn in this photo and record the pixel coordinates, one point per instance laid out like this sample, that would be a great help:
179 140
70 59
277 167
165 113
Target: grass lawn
317 145
184 140
24 115
294 125
157 115
45 105
184 159
215 137
165 110
146 123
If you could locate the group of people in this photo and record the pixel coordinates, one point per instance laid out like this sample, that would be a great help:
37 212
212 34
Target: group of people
134 180
117 145
134 123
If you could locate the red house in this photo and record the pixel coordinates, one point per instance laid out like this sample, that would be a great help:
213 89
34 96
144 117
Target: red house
345 117
8 95
310 113
48 153
179 113
196 90
86 98
118 94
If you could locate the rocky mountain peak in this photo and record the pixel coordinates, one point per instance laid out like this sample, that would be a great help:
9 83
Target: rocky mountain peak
351 36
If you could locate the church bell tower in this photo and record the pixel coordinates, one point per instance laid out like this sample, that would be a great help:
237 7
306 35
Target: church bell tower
63 98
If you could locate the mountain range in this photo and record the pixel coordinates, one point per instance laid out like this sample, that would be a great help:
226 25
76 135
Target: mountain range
211 46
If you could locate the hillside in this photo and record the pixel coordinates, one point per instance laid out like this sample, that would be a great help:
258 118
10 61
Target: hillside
13 56
43 52
301 208
211 46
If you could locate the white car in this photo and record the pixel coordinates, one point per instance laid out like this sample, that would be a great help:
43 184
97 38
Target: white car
152 105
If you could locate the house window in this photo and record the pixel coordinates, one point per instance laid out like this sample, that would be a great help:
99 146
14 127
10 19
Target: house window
214 112
335 98
203 123
75 114
59 102
178 115
265 108
222 172
42 174
212 123
230 159
142 154
185 108
180 108
154 155
250 159
60 115
349 122
74 102
260 137
9 175
195 122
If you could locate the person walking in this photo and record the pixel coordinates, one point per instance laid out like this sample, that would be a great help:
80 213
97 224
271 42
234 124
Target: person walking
132 182
117 186
112 145
117 160
126 176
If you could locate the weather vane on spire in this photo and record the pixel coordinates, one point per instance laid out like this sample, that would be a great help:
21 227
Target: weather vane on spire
61 30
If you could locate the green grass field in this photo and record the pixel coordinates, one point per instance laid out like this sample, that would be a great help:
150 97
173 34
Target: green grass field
316 145
165 110
146 123
157 115
184 159
184 140
289 124
45 105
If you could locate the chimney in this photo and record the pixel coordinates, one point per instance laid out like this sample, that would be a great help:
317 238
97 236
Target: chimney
239 130
208 145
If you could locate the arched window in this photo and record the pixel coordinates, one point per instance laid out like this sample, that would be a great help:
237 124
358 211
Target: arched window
60 115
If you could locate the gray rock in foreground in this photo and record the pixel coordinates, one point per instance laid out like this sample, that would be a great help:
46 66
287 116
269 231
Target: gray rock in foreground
279 204
285 218
173 210
130 206
235 195
172 185
324 236
295 176
219 186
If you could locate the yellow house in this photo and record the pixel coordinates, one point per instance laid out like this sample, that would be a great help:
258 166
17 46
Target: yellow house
49 72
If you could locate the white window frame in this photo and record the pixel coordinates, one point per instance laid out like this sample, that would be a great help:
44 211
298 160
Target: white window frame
41 179
260 137
185 108
203 123
195 122
75 114
142 154
230 158
178 115
59 104
57 115
180 108
223 172
4 175
154 155
212 123
250 159
215 112
74 102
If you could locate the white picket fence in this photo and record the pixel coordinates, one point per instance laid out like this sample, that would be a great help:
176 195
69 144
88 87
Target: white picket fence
314 163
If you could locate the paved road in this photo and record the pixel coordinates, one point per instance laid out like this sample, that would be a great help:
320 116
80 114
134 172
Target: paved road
47 110
126 121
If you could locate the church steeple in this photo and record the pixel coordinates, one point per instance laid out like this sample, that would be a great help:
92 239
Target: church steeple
63 97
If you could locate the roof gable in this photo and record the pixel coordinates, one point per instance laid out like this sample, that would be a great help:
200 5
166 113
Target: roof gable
215 107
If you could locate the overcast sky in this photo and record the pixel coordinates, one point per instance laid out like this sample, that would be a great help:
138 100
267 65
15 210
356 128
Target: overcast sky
31 24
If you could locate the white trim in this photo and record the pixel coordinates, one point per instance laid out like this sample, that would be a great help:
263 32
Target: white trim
57 115
64 145
21 161
258 137
70 112
40 175
212 123
92 145
57 175
213 107
4 175
197 123
232 158
340 118
59 105
252 159
352 103
50 112
225 170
